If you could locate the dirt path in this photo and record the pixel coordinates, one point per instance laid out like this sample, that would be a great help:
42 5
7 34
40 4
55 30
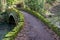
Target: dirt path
34 29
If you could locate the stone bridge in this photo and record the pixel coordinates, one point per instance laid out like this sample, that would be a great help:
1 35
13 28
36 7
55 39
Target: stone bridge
10 17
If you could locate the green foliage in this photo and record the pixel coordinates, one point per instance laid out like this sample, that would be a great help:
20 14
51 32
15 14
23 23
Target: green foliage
36 5
11 2
50 1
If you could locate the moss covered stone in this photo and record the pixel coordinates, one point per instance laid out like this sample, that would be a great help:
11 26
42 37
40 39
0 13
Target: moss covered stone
13 33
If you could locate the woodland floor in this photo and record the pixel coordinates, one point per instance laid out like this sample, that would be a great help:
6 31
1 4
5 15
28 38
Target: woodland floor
34 29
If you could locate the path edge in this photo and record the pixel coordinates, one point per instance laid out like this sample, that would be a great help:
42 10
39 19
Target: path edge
43 19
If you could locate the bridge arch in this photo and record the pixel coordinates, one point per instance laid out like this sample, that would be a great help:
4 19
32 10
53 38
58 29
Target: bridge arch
12 20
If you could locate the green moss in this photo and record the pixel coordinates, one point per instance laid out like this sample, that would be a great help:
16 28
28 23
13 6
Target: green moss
21 18
7 39
12 34
17 28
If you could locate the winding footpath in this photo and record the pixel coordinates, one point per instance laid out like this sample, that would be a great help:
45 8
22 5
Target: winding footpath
34 29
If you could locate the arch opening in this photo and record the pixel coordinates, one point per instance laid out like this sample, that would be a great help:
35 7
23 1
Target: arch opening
11 20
